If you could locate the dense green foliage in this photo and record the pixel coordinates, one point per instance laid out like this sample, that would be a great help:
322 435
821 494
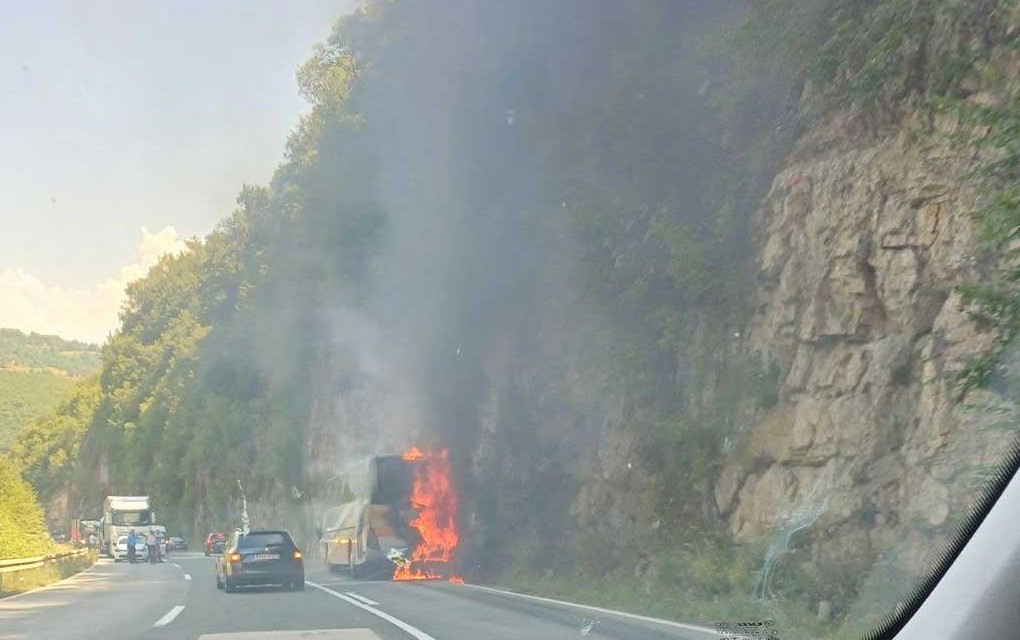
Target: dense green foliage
992 131
46 449
555 248
26 395
22 529
36 351
871 59
207 380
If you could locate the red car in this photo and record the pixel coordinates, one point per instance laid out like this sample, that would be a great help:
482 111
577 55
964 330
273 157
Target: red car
214 543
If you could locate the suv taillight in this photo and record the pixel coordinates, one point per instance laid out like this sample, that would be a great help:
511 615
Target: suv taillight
234 557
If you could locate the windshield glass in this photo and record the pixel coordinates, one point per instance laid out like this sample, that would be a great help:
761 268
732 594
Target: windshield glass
130 518
139 539
264 540
703 311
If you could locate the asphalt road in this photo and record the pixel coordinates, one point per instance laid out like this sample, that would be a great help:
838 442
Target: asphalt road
179 600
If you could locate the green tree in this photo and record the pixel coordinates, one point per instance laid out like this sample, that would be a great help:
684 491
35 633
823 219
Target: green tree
22 527
47 449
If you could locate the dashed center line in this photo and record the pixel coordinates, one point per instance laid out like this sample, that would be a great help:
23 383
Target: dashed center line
187 576
169 617
361 598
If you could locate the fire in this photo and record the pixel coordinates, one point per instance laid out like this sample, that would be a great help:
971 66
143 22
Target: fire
434 498
415 454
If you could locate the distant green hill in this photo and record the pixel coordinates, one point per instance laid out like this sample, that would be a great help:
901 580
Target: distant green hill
35 351
26 395
36 373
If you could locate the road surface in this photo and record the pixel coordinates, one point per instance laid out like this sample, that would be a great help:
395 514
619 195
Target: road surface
179 600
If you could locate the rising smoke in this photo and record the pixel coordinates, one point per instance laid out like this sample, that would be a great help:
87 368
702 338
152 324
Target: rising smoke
464 102
478 110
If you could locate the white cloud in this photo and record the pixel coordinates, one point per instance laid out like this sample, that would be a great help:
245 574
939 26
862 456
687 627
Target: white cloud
83 313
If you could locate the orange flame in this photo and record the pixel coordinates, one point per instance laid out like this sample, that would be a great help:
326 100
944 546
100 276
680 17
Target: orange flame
435 500
415 454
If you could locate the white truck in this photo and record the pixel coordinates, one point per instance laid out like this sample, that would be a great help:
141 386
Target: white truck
121 514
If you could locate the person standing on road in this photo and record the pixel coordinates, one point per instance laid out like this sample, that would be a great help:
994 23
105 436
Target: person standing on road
157 536
152 544
132 540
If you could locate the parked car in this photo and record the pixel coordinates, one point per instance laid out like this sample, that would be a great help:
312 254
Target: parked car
267 557
214 543
120 550
176 543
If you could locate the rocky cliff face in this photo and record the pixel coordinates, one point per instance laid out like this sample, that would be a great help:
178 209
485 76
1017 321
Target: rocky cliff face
861 247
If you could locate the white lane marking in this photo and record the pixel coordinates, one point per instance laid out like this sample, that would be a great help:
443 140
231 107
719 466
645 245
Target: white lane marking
187 576
169 617
613 612
361 598
412 631
176 565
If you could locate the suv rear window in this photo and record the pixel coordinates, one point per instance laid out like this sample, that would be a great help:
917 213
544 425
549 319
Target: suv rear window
259 540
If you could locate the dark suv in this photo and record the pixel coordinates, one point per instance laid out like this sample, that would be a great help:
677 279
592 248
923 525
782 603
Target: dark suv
260 558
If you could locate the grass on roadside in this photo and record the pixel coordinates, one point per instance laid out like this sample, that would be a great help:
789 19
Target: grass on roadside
635 595
13 582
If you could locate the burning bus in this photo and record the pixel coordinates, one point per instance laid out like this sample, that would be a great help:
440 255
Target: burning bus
391 515
370 515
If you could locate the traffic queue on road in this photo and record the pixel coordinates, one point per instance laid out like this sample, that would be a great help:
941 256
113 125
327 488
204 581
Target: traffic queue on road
135 546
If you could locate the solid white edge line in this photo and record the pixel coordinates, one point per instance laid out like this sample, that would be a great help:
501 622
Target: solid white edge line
622 614
361 598
187 576
169 617
413 631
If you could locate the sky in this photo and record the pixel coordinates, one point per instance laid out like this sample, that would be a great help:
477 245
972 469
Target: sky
127 127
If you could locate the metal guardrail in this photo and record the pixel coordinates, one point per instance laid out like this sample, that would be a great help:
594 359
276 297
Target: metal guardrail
18 575
21 564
